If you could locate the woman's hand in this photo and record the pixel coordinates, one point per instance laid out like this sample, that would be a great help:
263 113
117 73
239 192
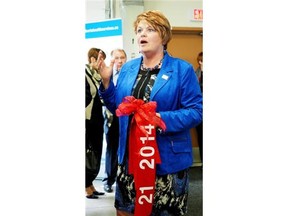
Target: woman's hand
104 70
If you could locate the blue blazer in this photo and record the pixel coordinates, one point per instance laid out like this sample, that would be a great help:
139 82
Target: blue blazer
179 102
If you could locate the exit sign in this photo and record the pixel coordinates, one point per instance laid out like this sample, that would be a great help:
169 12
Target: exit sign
198 15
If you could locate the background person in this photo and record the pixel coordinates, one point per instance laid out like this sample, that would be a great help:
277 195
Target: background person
199 127
112 128
94 120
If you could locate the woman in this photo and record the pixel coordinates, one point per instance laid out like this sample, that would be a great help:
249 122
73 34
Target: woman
172 84
94 120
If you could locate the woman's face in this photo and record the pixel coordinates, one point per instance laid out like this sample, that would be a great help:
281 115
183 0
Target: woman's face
148 38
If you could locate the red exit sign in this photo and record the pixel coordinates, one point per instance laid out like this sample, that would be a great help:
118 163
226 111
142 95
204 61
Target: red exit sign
198 14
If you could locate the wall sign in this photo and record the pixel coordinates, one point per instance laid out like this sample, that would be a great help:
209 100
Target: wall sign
106 35
103 28
198 15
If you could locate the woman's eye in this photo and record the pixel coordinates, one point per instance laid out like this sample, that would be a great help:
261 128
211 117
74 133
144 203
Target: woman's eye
147 30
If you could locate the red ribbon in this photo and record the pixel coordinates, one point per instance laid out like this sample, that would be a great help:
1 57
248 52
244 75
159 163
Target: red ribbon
143 150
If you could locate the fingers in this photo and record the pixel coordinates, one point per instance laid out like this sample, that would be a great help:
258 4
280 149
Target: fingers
100 56
100 61
112 62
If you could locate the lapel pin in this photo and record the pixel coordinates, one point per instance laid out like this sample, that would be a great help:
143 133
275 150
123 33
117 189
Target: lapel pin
164 76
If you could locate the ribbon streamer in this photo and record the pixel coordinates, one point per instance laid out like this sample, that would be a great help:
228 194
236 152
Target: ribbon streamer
143 150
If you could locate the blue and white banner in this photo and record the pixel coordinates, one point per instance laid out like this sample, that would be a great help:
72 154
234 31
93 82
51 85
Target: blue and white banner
105 35
103 29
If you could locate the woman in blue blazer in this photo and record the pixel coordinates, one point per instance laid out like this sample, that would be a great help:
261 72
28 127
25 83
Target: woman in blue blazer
173 85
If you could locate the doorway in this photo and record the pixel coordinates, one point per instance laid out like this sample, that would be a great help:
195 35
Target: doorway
187 43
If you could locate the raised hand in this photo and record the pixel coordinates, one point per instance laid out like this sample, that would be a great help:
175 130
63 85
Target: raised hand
104 70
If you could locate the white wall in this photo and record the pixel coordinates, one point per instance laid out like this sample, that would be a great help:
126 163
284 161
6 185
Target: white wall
129 38
95 10
178 12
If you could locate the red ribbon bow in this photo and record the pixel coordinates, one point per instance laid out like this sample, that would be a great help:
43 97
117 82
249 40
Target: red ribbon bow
143 150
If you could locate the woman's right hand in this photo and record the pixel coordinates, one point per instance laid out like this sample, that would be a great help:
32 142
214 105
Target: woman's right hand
104 70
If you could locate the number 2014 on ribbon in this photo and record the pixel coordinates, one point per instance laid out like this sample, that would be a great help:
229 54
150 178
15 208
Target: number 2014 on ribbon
147 151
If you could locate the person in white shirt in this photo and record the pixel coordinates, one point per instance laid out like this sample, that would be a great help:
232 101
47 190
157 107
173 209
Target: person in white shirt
112 128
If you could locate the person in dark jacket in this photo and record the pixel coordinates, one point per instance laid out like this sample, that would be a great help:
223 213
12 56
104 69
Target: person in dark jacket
94 120
199 128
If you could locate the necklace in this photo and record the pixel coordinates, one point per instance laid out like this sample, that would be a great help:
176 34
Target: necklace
151 69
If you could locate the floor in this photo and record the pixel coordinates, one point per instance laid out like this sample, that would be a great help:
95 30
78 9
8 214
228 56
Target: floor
102 206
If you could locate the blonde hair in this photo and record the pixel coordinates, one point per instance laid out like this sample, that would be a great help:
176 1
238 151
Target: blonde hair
120 50
159 22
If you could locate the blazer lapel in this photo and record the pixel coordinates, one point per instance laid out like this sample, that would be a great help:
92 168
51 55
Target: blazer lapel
131 76
162 78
